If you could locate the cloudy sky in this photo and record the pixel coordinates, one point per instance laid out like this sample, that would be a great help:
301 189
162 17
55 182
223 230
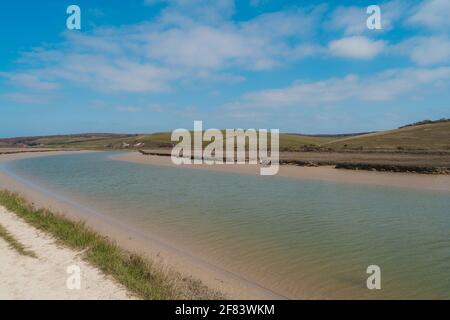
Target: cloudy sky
156 65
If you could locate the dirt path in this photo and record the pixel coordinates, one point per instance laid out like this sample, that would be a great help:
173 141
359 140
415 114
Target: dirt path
46 277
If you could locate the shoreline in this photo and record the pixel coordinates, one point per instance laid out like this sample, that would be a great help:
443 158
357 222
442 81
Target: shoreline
232 285
322 173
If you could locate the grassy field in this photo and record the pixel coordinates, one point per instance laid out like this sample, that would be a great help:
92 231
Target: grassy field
288 142
427 137
138 274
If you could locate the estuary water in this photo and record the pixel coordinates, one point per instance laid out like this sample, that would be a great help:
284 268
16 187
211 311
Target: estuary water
301 238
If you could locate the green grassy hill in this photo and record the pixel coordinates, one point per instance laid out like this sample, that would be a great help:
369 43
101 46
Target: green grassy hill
288 142
427 137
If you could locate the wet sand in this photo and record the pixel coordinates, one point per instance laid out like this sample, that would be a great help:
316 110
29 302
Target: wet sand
322 173
232 285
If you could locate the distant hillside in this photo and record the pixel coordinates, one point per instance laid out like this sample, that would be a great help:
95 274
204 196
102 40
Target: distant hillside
429 137
335 136
425 122
288 142
55 140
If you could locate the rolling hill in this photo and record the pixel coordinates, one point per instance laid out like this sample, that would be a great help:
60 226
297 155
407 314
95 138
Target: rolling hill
288 142
434 136
422 137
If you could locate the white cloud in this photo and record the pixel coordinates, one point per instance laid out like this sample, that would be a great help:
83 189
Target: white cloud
30 80
306 50
352 20
117 74
201 46
197 41
433 50
297 23
425 51
187 42
260 43
316 92
433 14
384 86
357 47
394 11
108 74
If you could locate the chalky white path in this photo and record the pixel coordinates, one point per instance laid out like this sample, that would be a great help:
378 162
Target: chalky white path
44 277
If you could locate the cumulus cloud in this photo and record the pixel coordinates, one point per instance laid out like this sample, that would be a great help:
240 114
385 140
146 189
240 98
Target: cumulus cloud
186 42
198 41
351 20
117 74
263 42
432 45
201 46
383 86
30 80
357 47
426 51
433 14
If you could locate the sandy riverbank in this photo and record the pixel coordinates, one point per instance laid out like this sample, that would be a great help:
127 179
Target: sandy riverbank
232 285
323 173
45 277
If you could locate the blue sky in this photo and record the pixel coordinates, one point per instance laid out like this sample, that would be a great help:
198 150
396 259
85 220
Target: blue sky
156 65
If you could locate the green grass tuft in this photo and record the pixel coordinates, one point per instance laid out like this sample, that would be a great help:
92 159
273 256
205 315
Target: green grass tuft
15 244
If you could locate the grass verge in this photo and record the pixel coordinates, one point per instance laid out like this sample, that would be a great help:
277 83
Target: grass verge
139 275
15 244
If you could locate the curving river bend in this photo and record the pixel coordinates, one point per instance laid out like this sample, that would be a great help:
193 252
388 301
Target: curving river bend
305 238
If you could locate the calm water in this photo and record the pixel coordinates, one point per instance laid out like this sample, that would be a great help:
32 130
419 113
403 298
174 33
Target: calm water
302 238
